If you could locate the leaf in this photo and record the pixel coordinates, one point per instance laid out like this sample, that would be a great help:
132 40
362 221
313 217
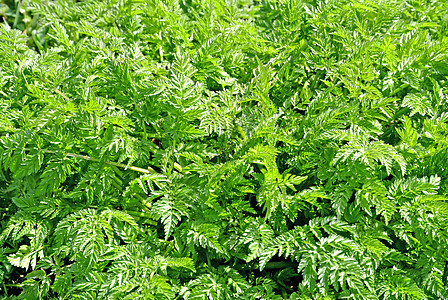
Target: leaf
170 212
25 257
418 103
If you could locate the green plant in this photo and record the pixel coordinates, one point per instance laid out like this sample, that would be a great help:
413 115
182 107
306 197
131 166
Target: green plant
275 149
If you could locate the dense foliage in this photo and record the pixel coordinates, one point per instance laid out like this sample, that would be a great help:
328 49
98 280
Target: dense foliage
224 149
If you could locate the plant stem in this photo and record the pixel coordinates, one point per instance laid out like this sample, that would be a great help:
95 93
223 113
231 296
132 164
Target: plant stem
269 265
110 163
16 19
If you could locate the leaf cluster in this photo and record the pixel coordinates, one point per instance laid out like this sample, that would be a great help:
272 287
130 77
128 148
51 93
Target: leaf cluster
224 149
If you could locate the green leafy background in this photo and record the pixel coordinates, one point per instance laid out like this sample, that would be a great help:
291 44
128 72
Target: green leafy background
224 149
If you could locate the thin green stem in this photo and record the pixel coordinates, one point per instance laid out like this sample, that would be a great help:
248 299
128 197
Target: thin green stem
110 163
16 19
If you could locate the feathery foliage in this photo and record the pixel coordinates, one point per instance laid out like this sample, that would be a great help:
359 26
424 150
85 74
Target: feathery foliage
224 149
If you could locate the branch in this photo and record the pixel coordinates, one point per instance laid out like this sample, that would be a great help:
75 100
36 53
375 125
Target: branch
110 163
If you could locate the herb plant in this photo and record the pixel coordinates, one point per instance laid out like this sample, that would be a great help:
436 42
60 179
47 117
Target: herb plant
224 149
